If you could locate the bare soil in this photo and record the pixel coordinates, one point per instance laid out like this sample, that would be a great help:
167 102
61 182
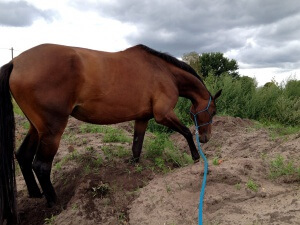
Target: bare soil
95 187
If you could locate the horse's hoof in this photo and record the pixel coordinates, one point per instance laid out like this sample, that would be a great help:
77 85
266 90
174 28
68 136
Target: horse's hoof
132 160
51 200
197 160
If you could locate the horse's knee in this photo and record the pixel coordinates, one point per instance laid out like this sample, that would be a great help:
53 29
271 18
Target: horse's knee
41 168
160 119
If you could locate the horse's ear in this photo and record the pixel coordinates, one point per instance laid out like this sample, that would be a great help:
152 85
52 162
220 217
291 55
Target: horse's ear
217 95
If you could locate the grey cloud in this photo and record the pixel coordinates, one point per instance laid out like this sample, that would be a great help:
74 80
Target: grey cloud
178 27
21 13
287 56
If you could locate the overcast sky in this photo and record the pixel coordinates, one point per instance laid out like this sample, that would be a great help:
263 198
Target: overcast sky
263 36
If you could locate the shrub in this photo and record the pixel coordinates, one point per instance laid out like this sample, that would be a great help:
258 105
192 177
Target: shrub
271 103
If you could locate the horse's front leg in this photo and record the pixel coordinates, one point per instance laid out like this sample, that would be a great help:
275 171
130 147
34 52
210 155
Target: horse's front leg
170 120
140 127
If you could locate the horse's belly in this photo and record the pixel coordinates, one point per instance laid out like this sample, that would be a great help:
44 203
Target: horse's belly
111 113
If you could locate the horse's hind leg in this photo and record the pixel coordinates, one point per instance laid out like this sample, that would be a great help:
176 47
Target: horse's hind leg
48 145
25 155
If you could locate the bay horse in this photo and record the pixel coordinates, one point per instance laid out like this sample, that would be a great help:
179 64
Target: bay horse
51 82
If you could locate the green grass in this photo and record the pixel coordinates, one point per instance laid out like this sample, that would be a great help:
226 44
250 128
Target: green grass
163 153
277 130
114 135
281 167
215 161
91 160
93 128
58 165
155 147
111 134
139 168
252 185
178 159
17 109
71 156
89 148
70 138
160 163
238 186
114 151
50 220
100 190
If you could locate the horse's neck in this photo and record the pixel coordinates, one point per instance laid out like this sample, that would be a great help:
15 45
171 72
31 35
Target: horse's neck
191 87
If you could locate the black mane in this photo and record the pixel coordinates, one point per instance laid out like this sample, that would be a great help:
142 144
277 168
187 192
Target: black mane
172 60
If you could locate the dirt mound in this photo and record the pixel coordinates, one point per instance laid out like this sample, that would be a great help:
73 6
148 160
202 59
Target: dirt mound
239 189
95 183
174 199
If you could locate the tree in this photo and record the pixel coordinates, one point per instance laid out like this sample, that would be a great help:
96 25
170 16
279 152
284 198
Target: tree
192 59
213 62
216 63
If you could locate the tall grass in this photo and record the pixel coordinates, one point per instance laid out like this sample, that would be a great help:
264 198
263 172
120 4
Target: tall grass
162 150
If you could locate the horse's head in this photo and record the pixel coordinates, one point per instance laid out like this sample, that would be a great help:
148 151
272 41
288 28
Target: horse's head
202 114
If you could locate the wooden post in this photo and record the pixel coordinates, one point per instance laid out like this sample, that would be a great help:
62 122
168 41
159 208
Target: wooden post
12 52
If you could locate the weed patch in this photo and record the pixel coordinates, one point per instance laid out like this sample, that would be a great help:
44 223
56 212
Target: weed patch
70 138
100 190
112 151
280 167
216 161
114 135
163 153
252 185
93 128
238 186
50 220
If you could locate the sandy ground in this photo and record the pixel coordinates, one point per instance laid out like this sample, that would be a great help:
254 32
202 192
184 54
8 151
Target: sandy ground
117 193
245 153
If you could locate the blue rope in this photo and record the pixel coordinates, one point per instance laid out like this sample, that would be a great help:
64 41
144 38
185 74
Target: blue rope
201 199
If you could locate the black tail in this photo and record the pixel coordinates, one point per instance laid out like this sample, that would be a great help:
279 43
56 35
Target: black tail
8 209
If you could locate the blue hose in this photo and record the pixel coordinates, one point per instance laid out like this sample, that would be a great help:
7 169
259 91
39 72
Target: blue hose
200 212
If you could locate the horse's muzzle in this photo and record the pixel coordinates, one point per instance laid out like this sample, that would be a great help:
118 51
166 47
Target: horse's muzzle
204 138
